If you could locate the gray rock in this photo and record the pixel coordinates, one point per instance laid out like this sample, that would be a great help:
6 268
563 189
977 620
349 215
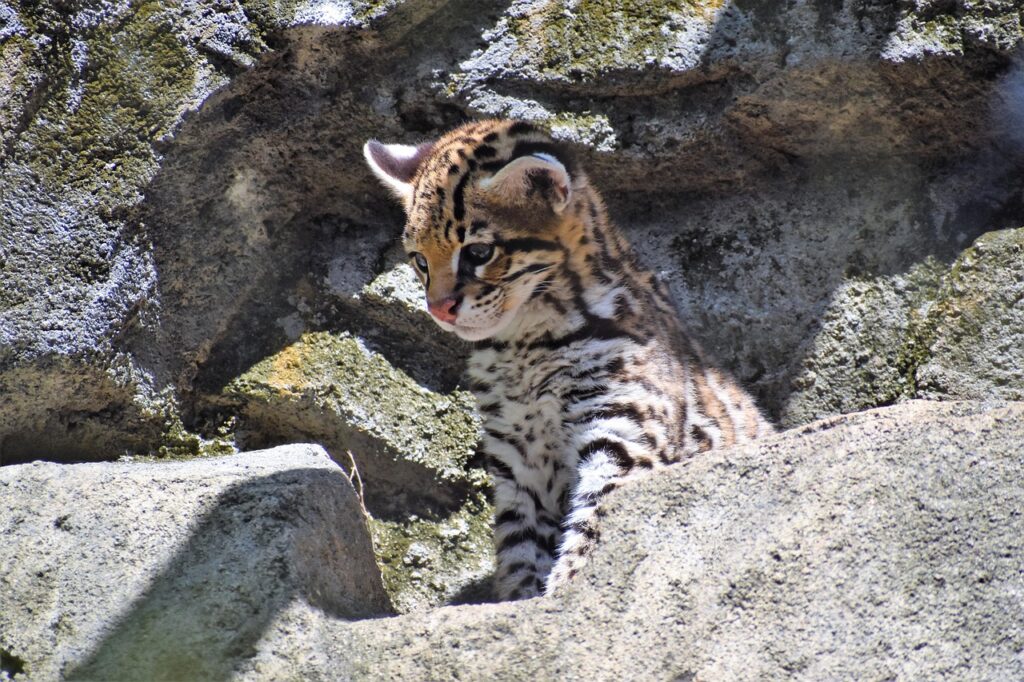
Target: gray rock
795 172
412 448
92 94
882 545
175 570
973 334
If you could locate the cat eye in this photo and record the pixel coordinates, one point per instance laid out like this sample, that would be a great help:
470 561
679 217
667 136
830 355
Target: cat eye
478 254
419 260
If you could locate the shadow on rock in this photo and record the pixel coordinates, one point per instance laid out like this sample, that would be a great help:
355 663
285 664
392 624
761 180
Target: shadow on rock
256 552
261 219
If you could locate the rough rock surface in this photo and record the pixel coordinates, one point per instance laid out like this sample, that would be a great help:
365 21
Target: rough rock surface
883 545
413 450
175 570
802 176
832 190
972 338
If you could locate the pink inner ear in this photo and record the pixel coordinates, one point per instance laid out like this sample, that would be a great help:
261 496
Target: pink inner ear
400 167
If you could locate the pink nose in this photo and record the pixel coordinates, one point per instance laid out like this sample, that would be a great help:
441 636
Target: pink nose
445 309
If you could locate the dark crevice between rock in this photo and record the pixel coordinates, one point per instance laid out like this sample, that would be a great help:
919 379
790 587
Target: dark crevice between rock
10 664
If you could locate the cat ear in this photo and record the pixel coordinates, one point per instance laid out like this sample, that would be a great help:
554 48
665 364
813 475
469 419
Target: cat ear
396 164
521 180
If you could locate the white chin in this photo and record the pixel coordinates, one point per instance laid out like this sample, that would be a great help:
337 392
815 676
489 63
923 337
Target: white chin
473 333
467 333
480 333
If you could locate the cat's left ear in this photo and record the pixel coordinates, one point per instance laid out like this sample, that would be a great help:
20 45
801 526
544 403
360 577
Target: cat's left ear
396 164
537 176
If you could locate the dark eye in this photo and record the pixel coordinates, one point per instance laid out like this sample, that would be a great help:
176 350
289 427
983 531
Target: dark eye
420 260
478 254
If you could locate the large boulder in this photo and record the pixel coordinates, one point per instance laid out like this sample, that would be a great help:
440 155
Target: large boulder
886 544
882 545
176 570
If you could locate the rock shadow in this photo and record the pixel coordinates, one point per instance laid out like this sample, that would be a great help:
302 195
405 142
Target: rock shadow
261 217
787 160
262 546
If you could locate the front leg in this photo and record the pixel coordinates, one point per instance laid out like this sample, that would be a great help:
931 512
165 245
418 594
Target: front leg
526 536
602 466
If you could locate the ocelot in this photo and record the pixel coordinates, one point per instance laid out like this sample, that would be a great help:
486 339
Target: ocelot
582 371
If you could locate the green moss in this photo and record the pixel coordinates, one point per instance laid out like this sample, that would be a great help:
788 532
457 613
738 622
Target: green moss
170 439
97 135
331 388
593 130
266 17
596 35
971 326
337 373
180 443
14 84
944 30
424 562
951 28
925 281
368 10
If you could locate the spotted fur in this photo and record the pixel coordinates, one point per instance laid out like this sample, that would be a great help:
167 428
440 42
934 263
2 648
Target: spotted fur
582 372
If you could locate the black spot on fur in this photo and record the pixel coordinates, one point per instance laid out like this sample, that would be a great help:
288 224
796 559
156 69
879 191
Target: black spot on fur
509 516
499 469
614 449
484 151
517 538
521 128
458 199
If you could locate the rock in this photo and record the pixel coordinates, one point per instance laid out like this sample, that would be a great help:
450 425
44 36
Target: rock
92 95
973 333
886 544
172 570
797 175
413 450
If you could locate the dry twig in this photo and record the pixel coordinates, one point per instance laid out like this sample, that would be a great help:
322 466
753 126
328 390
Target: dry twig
357 482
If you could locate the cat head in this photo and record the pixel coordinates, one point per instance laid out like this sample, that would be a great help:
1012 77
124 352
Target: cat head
485 207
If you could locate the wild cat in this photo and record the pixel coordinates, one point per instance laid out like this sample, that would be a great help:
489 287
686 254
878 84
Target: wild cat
582 372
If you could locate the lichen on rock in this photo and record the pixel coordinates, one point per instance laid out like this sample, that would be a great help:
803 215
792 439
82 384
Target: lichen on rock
581 41
971 341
